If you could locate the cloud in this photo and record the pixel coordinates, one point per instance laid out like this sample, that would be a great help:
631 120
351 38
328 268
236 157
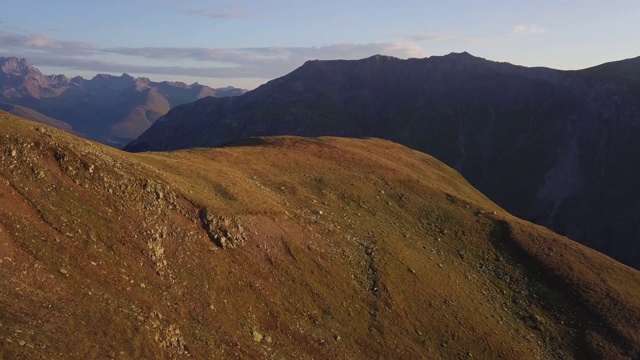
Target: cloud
528 29
265 62
249 62
38 42
488 41
103 66
429 37
463 40
217 14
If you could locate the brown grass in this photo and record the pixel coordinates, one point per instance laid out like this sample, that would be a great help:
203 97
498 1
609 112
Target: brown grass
354 249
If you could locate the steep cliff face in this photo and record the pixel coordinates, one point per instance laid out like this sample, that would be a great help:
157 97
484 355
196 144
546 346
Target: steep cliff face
110 109
555 147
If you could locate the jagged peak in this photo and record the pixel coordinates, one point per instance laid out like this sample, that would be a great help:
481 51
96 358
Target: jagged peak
57 80
58 76
14 60
142 83
102 76
17 66
176 84
142 80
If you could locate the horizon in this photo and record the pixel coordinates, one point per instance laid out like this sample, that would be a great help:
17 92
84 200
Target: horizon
247 43
87 75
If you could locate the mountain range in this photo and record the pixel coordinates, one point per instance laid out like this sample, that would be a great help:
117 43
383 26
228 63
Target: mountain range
559 148
110 109
285 247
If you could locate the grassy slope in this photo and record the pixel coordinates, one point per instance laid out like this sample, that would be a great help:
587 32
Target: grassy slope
354 249
33 115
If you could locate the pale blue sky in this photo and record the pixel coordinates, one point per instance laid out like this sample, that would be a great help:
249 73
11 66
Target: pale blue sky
246 43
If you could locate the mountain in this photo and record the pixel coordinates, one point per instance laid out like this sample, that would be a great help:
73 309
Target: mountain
111 109
559 148
285 247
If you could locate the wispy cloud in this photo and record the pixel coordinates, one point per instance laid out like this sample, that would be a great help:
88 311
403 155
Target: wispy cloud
216 10
247 62
218 13
528 29
454 39
38 42
267 62
480 41
104 66
423 37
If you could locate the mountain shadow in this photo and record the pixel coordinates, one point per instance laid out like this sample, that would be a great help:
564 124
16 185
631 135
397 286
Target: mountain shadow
559 148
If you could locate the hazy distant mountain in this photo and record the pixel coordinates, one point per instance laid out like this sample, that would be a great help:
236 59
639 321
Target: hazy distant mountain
560 148
285 248
110 109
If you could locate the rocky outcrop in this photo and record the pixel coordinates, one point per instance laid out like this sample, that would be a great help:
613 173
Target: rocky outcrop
559 148
226 233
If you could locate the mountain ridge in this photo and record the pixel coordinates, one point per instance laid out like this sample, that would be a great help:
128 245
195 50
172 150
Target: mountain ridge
575 130
285 247
100 108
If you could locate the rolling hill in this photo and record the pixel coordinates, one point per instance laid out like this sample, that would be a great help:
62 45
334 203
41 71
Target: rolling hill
559 148
285 247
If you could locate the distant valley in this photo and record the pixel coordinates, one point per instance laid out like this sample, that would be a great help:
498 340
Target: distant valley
110 109
559 148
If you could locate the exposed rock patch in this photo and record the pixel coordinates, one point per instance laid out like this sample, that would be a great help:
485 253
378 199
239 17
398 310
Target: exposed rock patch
156 251
168 335
225 232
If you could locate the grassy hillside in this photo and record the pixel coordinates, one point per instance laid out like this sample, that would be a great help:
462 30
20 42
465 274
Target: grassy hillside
578 132
33 115
285 248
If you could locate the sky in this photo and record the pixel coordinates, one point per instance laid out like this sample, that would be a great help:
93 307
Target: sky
246 43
